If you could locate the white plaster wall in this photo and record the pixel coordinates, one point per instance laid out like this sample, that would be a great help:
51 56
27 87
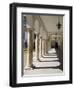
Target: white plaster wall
36 26
29 20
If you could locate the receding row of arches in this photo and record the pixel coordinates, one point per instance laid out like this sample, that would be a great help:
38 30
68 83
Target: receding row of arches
37 42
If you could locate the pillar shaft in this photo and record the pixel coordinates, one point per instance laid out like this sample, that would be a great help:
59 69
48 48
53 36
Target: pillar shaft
49 42
37 46
29 49
43 47
46 46
40 46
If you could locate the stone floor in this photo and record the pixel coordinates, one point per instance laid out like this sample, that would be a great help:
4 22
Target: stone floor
43 71
48 64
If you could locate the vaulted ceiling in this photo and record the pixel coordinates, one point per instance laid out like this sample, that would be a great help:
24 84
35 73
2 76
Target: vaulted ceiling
50 23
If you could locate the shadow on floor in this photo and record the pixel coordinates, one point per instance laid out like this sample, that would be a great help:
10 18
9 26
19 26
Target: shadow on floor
59 53
34 67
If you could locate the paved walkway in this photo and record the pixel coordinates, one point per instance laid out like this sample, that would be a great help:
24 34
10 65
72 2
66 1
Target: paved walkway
48 64
49 61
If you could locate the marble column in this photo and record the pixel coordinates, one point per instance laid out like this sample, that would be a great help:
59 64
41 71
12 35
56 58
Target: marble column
46 46
43 46
37 46
40 46
49 43
28 63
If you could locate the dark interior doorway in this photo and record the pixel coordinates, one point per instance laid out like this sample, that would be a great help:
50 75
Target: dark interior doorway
54 44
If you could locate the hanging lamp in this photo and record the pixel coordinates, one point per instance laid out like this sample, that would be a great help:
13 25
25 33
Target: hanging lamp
59 24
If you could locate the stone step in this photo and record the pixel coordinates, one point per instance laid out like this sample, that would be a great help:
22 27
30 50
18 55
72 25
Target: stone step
45 59
50 56
46 64
52 51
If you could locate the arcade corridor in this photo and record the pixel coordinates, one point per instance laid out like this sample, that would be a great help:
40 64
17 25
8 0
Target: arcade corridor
42 45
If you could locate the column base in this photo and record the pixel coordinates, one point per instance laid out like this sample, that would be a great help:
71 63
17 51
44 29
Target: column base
28 68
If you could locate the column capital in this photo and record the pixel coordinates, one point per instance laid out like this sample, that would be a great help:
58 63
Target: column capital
40 36
29 29
37 33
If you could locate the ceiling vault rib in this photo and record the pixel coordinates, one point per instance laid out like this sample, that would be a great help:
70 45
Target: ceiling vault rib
43 24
